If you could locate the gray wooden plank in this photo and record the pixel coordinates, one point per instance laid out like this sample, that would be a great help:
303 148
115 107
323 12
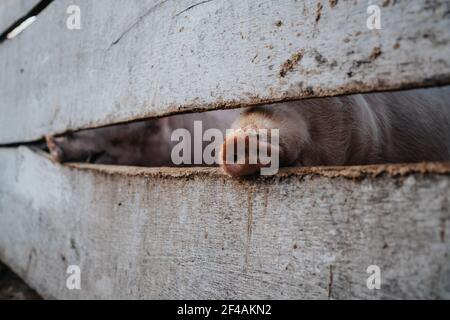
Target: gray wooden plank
13 10
195 233
139 59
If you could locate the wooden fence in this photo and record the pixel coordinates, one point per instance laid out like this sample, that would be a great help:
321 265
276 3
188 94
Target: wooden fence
195 233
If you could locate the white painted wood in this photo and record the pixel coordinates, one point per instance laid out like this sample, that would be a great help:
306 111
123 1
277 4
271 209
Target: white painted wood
135 58
13 10
194 233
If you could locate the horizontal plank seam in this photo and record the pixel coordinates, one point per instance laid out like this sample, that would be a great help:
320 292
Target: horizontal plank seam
36 10
357 172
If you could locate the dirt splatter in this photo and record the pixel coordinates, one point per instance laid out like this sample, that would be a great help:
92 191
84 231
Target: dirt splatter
330 281
250 215
319 11
266 197
320 59
249 227
349 172
290 63
445 208
279 23
333 3
376 52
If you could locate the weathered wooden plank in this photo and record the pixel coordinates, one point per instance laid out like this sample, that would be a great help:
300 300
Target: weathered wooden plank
138 59
195 233
13 10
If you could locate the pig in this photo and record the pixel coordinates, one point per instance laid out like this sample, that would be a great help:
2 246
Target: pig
374 128
142 143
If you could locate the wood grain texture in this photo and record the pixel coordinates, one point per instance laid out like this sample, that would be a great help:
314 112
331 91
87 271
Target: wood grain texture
13 10
194 233
134 59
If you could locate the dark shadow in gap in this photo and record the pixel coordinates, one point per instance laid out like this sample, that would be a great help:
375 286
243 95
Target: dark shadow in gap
13 288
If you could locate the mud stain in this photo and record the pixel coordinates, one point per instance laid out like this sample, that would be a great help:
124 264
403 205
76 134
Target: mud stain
290 63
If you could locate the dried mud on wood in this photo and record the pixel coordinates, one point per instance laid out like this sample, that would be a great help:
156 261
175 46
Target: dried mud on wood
349 172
